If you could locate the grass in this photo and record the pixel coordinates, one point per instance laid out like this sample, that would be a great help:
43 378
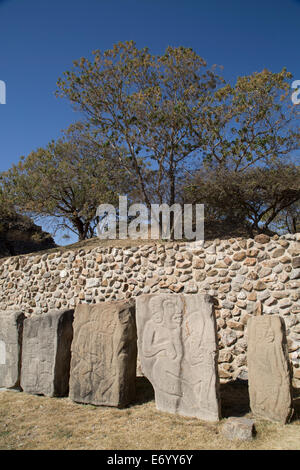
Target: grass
36 422
96 242
92 243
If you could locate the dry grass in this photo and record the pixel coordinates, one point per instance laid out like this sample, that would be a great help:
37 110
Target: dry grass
35 422
96 242
91 243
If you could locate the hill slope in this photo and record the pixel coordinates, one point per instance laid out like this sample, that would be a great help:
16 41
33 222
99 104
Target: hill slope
20 235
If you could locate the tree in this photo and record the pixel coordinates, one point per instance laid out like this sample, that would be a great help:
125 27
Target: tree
6 207
250 123
142 104
253 198
246 176
67 181
288 220
165 117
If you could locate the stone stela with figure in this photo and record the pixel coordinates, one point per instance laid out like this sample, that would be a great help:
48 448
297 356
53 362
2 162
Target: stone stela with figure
270 386
104 351
178 352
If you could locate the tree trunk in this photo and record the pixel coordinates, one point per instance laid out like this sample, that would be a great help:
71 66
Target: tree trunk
80 228
172 199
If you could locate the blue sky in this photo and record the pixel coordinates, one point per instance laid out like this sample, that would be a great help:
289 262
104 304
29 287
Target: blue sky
39 39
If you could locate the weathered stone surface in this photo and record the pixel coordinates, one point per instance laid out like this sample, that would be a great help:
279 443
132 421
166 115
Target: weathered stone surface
11 329
296 262
36 284
239 256
178 352
269 369
104 354
262 238
278 252
260 285
238 428
199 263
46 353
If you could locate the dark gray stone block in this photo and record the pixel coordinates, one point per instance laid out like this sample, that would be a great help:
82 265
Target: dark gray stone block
46 353
11 327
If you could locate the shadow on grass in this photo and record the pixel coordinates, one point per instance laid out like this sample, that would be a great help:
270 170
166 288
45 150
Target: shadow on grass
234 397
235 400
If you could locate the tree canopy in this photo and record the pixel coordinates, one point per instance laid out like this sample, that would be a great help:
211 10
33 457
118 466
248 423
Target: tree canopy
167 129
252 199
67 181
141 106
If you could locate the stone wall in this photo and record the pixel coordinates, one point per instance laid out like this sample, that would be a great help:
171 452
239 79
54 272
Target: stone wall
245 277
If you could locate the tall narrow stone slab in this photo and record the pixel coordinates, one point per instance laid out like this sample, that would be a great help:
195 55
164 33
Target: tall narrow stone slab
46 353
268 369
178 352
104 354
11 328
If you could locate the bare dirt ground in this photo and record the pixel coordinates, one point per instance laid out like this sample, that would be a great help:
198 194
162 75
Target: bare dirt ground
42 423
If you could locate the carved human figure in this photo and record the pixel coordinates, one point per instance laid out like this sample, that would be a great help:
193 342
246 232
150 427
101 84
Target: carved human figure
269 378
177 344
162 339
198 371
267 363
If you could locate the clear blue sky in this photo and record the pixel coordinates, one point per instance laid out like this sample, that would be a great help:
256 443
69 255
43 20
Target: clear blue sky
39 39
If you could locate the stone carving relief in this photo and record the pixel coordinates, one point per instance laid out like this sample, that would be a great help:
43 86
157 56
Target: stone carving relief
269 369
178 352
104 350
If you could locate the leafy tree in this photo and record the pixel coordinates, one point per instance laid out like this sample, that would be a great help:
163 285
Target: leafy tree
288 220
67 181
6 207
249 137
253 198
166 118
6 211
250 123
140 106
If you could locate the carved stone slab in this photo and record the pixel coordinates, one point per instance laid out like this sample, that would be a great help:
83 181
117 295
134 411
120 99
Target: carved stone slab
268 369
178 352
46 353
104 354
11 327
